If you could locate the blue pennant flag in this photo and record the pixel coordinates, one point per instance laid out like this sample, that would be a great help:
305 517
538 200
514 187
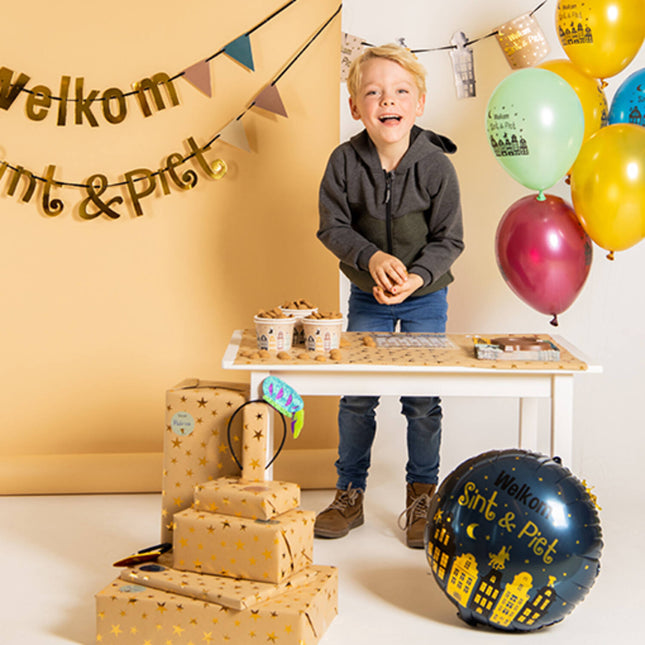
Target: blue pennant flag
240 50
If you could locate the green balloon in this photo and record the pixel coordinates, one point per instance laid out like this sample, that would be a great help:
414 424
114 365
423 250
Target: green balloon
535 126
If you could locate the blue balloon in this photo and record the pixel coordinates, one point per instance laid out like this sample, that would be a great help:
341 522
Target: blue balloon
628 104
513 540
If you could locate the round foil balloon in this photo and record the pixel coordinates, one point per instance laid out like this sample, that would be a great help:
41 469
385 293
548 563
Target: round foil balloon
600 37
628 104
543 253
535 126
513 540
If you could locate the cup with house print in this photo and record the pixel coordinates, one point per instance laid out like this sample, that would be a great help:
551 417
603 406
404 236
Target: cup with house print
299 309
322 331
274 330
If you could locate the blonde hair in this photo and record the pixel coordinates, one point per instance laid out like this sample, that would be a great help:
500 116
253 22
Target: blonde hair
393 52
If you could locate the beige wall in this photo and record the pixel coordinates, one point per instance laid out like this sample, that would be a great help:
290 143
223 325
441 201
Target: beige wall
100 317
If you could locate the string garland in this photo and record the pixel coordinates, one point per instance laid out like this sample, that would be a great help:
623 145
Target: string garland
182 73
467 43
4 165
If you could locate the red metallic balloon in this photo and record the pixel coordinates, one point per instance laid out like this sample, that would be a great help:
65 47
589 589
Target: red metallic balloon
543 253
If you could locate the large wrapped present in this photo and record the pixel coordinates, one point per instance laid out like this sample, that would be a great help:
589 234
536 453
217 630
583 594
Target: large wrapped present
235 593
196 447
133 614
254 500
225 545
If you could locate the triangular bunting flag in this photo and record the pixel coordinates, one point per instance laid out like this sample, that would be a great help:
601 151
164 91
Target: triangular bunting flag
269 99
240 50
235 135
199 75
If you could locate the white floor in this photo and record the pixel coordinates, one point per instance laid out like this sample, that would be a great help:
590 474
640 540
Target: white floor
57 552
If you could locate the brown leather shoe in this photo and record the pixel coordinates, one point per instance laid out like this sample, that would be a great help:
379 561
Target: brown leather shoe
418 498
342 515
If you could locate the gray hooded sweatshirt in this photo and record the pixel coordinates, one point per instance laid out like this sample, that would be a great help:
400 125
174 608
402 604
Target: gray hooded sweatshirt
413 212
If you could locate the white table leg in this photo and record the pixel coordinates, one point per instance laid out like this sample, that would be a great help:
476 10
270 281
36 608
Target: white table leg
256 393
562 418
528 431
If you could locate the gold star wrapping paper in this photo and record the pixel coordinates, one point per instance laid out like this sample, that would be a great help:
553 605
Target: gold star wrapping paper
254 500
133 614
195 444
254 440
235 593
263 550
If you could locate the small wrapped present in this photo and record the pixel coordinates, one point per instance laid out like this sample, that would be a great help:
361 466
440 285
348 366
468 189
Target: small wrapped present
238 547
254 500
255 428
196 448
235 593
133 614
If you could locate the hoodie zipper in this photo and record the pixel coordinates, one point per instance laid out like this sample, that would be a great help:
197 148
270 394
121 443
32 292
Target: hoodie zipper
388 209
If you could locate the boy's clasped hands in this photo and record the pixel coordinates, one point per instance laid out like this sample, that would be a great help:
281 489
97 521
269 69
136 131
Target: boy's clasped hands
393 282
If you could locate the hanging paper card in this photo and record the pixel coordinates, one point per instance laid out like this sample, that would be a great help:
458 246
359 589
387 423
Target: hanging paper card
522 41
351 47
199 75
462 66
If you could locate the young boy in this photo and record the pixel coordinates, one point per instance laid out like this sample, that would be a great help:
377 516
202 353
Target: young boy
390 211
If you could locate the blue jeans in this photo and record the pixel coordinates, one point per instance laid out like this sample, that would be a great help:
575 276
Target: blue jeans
356 416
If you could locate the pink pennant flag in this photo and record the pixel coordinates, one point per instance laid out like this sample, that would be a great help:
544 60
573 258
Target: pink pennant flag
235 135
199 75
269 99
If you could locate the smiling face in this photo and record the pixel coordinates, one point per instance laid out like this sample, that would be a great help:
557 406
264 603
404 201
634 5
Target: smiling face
387 102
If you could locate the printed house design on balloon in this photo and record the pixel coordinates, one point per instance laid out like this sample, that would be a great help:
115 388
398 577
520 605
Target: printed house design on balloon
576 35
636 117
513 147
484 595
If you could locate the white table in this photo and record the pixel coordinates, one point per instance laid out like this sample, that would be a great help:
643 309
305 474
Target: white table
528 384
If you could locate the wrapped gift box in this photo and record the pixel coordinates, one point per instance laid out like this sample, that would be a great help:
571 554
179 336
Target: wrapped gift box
195 443
133 614
255 500
237 547
235 593
254 439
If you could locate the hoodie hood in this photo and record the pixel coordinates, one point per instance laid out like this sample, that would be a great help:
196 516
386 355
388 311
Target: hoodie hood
422 144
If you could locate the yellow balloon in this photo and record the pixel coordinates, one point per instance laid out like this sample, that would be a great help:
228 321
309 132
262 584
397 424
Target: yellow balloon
589 91
608 186
601 37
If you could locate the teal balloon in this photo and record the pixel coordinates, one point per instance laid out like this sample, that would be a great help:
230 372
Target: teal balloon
628 104
535 126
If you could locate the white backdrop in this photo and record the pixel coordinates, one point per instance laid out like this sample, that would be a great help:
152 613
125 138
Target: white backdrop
605 321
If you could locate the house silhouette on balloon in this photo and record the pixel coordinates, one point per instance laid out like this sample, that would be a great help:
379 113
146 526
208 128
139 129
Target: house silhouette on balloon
576 35
484 593
512 146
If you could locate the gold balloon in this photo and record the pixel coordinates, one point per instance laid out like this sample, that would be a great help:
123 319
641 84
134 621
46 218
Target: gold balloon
589 91
608 186
600 37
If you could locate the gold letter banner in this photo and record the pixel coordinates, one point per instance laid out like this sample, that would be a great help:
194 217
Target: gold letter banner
139 183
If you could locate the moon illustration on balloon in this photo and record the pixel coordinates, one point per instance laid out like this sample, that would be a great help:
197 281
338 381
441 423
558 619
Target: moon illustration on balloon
470 530
639 88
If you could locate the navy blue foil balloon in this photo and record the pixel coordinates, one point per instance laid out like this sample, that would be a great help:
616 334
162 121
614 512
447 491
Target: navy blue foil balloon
514 540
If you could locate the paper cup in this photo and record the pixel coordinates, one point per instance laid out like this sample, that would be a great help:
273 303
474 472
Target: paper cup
274 334
298 314
322 335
